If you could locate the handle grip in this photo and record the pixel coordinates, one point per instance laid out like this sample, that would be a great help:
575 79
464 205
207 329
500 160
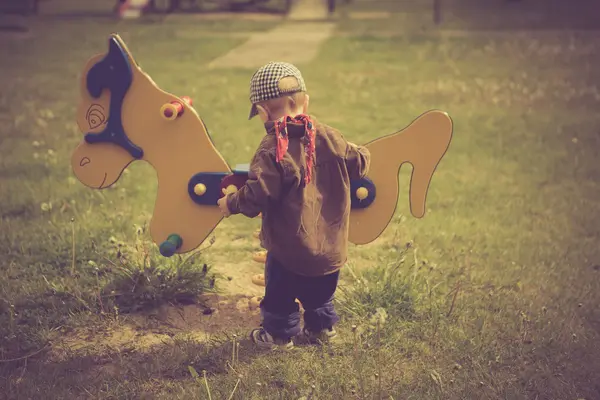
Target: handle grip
171 245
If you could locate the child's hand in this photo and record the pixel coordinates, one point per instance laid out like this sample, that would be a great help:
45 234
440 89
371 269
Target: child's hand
222 202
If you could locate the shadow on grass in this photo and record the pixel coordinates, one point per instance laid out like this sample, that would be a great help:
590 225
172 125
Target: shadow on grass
86 352
31 171
22 211
125 371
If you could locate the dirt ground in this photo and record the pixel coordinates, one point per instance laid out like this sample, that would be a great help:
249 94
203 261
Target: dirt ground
213 315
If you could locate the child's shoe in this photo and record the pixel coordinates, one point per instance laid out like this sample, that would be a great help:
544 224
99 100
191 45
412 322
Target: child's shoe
325 336
263 339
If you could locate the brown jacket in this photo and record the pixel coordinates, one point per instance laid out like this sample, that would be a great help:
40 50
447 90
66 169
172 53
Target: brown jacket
305 227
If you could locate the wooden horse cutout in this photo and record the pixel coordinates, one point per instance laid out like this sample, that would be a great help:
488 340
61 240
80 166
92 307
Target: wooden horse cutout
125 117
122 112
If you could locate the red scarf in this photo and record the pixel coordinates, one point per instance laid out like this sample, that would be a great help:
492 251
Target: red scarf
309 143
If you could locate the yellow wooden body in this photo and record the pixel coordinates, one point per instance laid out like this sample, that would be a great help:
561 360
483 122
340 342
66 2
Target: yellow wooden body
180 148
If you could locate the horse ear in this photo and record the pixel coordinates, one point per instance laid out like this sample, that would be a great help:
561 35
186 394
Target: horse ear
117 43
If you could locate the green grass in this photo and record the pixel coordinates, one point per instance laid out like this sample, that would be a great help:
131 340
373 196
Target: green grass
493 295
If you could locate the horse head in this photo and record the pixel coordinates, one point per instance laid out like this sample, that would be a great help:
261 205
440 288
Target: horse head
97 164
125 117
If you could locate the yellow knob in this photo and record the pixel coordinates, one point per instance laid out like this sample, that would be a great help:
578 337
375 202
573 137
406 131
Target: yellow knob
362 193
200 189
169 111
230 189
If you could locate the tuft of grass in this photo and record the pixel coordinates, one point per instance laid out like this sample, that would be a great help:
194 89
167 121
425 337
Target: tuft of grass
141 278
385 286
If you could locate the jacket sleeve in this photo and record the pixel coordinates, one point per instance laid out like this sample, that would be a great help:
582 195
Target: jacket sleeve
358 161
264 185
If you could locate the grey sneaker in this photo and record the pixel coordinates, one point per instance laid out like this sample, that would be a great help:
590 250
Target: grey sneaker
263 339
325 336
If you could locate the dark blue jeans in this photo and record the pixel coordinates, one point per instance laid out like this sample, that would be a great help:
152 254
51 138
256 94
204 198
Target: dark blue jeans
279 310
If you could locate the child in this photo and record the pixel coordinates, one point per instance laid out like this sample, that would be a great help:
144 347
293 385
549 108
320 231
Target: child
299 179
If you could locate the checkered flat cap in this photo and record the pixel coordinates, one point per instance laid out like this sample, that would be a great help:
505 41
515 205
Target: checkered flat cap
264 84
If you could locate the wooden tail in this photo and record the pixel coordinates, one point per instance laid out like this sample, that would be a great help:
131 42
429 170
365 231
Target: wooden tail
422 144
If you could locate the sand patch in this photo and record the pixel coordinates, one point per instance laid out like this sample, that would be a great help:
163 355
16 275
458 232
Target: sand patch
140 332
231 257
237 276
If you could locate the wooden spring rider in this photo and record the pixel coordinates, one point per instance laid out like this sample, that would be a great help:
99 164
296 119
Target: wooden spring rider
124 116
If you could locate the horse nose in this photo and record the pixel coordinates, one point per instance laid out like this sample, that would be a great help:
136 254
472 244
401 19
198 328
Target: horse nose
84 161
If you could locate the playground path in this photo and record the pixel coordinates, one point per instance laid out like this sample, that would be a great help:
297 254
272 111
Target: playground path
306 27
306 10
